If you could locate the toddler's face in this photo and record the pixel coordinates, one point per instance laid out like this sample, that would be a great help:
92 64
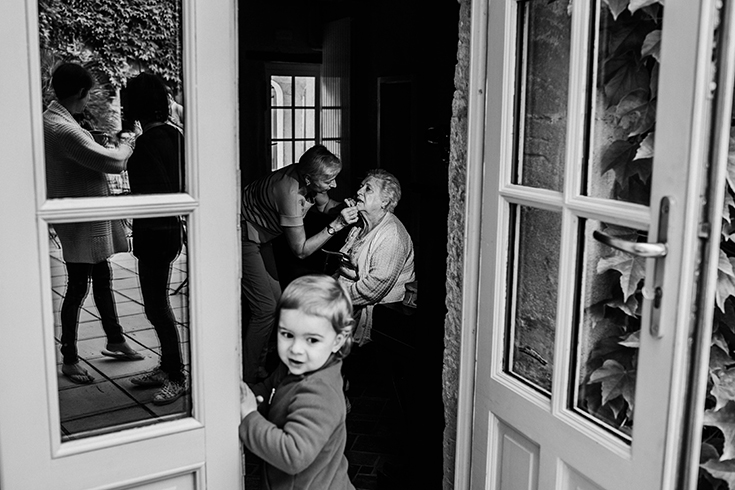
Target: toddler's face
306 341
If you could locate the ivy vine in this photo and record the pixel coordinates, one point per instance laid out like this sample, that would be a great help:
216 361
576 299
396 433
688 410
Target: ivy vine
113 39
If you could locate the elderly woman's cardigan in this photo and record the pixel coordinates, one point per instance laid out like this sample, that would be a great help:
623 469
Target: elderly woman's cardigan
384 260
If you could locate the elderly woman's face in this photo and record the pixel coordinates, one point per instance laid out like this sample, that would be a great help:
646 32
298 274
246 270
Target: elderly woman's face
369 196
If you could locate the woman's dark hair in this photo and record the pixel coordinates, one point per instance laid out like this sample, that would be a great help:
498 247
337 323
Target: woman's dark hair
319 163
69 78
145 98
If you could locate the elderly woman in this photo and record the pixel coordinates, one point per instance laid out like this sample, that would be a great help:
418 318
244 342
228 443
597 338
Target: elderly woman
273 205
378 252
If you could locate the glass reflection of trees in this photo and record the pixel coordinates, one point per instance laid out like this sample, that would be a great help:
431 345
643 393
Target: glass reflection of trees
114 40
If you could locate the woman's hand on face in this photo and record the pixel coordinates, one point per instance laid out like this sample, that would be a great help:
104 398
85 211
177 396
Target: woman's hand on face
248 401
349 214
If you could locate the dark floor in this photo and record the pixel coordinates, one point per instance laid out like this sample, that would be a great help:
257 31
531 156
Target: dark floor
382 449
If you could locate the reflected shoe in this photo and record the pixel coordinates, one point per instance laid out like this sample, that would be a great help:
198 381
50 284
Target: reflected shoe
171 391
76 374
155 377
121 351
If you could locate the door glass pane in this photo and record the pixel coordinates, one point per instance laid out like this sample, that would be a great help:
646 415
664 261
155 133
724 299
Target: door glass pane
304 123
534 283
299 147
304 92
623 102
138 299
607 338
281 91
114 123
90 58
541 104
719 407
281 124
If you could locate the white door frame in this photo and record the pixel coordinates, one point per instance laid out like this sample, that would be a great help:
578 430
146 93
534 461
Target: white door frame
204 451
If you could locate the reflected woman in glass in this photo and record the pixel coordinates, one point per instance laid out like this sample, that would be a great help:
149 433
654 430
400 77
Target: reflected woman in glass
76 166
157 166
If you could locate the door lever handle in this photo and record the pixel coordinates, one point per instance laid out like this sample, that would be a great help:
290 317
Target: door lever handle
655 291
645 250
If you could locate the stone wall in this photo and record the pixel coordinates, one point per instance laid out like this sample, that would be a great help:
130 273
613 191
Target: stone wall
455 242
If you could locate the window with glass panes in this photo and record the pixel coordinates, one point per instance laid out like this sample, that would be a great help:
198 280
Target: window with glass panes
298 118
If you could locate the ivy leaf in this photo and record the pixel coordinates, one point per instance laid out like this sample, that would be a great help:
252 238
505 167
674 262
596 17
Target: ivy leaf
629 307
617 405
639 4
629 76
718 359
723 389
631 269
729 203
725 281
617 156
616 7
633 340
636 112
708 452
724 470
731 164
652 45
653 84
723 419
718 340
616 381
646 148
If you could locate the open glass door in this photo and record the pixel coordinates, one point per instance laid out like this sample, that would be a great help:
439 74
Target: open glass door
592 152
66 431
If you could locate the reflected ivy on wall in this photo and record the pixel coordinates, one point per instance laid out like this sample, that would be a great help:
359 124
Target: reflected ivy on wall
116 34
631 66
629 62
113 39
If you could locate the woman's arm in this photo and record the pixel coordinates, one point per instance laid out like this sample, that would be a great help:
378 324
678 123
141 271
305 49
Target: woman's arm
303 247
90 154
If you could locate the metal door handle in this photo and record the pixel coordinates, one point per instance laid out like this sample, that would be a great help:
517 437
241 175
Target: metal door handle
654 291
645 250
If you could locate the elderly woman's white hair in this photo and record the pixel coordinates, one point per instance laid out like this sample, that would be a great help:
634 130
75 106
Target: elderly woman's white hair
390 188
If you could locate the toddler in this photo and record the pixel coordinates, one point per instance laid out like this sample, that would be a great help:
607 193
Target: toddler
295 419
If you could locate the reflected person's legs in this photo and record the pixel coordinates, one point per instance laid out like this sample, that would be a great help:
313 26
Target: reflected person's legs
154 277
261 289
77 285
105 303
